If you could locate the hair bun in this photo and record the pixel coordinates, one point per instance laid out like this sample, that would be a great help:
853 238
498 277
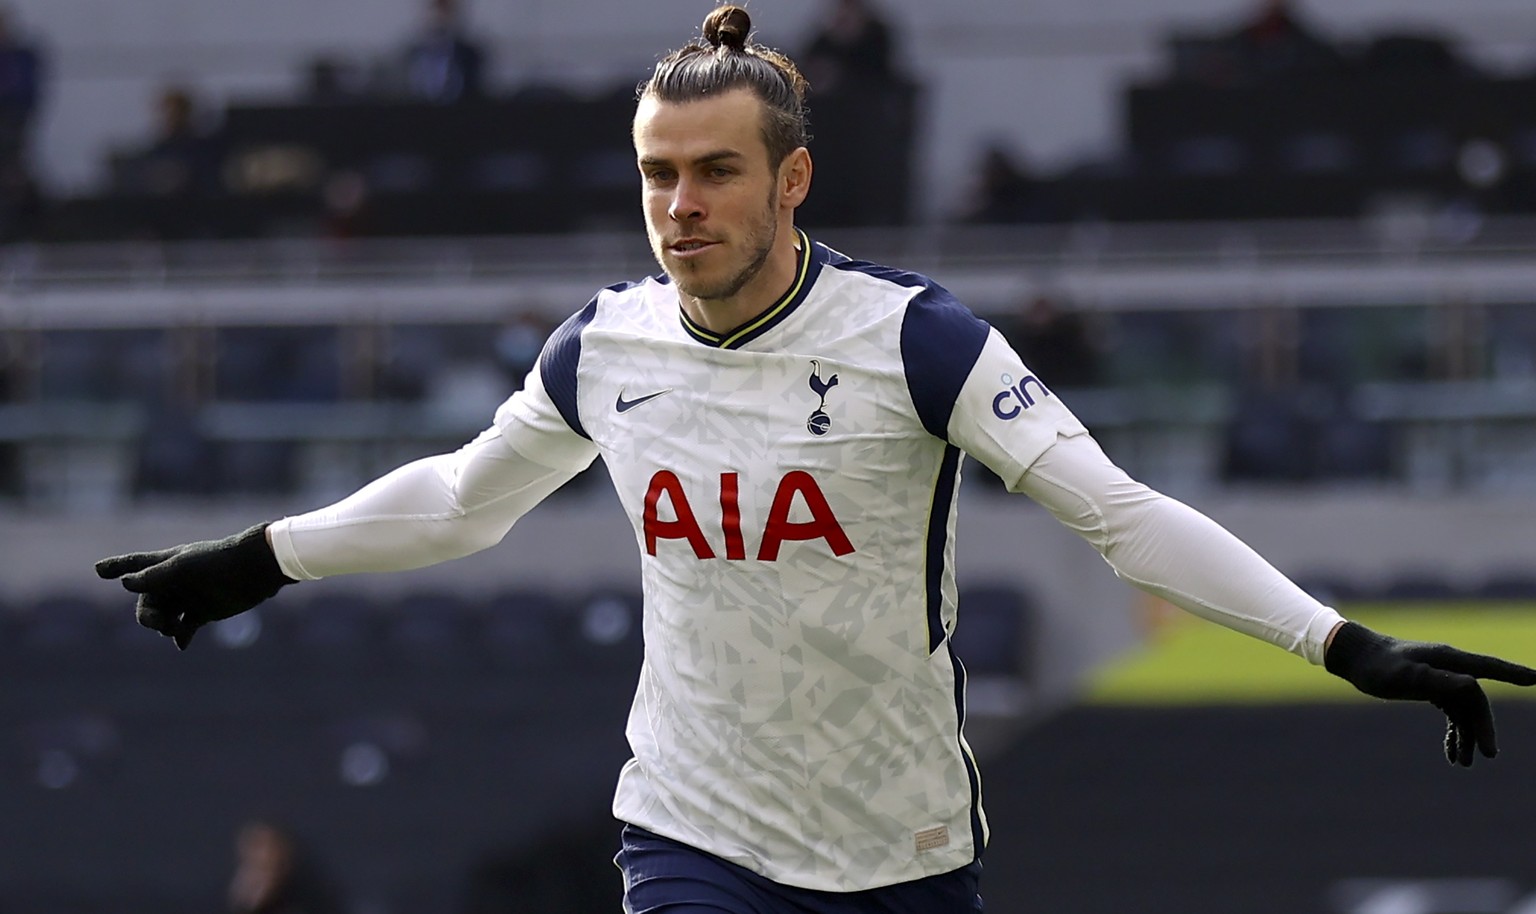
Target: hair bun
728 26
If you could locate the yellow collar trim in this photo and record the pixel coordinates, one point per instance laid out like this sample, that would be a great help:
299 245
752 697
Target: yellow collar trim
771 313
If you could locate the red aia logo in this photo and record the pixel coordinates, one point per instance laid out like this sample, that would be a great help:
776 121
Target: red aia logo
779 529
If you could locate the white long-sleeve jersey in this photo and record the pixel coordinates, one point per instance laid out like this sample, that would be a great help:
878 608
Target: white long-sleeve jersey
792 486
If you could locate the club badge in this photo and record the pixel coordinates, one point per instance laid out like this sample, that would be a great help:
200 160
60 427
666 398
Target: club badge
820 423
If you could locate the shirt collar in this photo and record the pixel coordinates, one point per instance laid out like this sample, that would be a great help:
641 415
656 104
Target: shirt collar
812 257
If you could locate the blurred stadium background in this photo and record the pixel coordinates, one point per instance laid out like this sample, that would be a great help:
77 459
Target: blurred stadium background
252 254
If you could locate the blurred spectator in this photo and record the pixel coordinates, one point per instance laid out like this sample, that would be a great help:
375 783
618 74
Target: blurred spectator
1267 437
274 875
1297 432
12 365
851 48
21 74
329 79
1277 43
21 202
442 64
174 458
1402 55
1005 192
349 211
1274 44
1060 346
518 345
181 159
859 100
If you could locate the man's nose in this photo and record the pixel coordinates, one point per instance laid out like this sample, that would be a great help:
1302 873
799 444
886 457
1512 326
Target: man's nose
686 205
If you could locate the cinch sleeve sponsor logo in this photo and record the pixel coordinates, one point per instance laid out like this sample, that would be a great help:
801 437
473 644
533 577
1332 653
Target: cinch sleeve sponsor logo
1013 399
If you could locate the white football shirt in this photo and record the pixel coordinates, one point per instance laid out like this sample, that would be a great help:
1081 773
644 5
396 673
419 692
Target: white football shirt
792 486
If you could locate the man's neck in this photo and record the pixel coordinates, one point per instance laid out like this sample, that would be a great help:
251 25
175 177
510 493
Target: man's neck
767 288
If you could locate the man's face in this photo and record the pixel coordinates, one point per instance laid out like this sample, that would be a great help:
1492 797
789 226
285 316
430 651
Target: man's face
713 206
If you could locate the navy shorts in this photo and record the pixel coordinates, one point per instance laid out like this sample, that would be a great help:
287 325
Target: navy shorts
662 876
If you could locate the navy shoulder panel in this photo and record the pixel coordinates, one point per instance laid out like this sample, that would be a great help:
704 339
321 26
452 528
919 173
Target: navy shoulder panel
904 278
562 356
940 342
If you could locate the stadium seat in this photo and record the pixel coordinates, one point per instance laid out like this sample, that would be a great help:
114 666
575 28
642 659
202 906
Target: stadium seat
254 631
274 363
1207 155
609 168
604 628
1264 438
1420 150
508 171
1350 447
11 626
123 632
173 455
1507 586
1318 152
339 624
609 618
75 365
1523 144
429 626
65 622
1415 587
990 633
519 627
400 172
369 748
1328 588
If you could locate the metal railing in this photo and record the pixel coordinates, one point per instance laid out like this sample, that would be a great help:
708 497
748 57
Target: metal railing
1408 259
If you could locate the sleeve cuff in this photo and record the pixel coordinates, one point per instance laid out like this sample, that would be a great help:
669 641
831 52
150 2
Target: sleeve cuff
1317 634
281 535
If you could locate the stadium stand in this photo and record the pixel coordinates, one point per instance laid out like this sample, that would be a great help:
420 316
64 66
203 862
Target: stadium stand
1311 288
356 719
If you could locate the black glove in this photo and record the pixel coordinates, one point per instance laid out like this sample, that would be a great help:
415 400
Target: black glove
185 587
1442 675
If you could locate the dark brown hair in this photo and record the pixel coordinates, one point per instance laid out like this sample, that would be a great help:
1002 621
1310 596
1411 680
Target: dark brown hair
728 59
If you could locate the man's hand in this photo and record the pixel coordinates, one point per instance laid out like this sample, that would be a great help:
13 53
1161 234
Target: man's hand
185 587
1445 677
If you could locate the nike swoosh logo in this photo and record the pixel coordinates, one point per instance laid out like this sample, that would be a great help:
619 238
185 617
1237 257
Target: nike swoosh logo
624 406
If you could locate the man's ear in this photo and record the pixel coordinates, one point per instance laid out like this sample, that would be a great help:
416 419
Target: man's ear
795 177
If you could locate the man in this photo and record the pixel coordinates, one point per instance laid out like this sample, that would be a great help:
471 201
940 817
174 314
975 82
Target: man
442 64
784 427
21 77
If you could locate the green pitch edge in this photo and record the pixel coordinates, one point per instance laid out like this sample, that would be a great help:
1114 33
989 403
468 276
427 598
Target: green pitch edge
1193 662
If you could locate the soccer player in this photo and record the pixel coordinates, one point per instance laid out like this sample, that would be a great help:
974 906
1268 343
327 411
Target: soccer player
785 426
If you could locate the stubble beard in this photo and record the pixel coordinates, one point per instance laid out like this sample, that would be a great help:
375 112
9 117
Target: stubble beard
758 241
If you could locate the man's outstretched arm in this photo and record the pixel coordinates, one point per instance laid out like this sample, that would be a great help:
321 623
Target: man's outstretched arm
428 511
1167 548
